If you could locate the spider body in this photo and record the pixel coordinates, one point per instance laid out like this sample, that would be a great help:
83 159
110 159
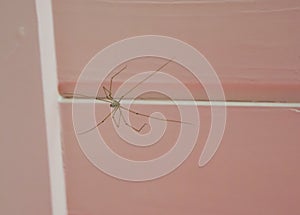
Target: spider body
114 104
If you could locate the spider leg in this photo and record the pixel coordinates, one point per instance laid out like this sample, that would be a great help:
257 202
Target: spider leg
126 123
111 79
117 123
146 78
108 92
82 96
102 121
153 117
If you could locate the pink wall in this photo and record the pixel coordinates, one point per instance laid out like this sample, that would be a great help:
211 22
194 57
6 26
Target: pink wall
254 48
29 99
255 170
25 187
253 45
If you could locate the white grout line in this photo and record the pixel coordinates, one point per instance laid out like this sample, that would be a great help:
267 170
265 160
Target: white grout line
188 102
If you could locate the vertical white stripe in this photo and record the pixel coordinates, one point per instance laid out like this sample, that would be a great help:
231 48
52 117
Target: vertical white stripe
49 81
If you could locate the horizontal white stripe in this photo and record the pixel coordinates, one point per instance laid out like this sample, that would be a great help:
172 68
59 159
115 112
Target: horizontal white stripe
187 102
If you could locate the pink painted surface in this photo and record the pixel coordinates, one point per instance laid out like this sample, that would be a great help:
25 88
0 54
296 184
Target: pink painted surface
255 170
254 48
253 45
24 181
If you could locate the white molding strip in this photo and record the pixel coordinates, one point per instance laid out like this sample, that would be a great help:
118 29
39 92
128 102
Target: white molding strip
186 102
49 81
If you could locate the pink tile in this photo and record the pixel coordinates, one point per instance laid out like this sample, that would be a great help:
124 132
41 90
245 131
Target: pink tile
255 170
253 46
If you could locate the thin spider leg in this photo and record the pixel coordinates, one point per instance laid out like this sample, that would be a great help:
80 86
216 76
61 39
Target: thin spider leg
103 120
126 123
107 93
111 80
145 79
120 114
80 96
153 117
117 123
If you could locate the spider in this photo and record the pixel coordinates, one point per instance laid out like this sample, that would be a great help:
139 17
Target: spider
115 104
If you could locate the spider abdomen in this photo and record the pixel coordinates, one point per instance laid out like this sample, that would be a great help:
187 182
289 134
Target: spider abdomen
114 104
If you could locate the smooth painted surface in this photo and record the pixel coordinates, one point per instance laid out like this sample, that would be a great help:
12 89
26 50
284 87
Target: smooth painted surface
254 48
255 170
24 168
253 45
52 118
